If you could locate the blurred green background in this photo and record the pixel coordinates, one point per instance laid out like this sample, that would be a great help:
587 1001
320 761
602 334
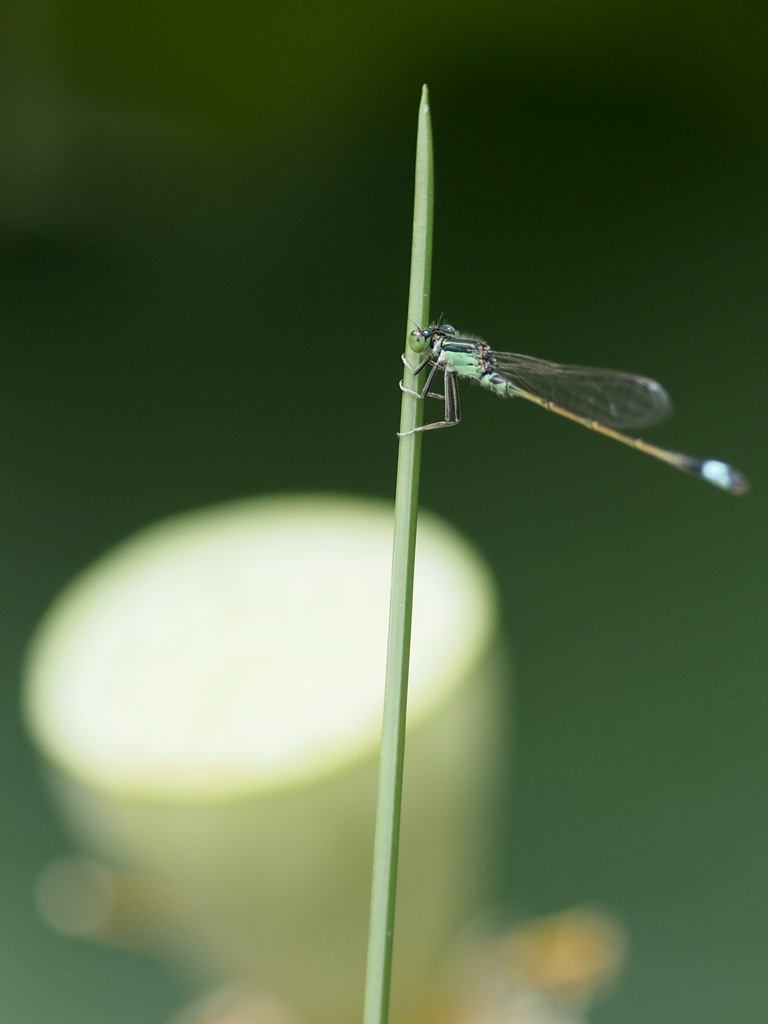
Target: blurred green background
206 232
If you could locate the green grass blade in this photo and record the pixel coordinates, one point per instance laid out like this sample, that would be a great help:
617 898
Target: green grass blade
381 932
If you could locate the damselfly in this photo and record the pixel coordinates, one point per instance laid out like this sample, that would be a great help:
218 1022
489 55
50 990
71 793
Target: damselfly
602 400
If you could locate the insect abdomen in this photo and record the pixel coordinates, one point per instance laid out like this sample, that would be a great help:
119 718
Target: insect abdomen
498 384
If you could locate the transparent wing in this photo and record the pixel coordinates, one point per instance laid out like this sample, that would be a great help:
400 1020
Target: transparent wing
612 398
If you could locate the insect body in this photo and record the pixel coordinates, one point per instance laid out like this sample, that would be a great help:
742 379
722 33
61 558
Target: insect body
606 401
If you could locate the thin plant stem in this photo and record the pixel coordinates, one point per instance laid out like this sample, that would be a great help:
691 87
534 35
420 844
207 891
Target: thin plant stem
384 884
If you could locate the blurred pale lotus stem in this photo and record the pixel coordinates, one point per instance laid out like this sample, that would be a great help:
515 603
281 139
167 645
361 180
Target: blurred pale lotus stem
208 700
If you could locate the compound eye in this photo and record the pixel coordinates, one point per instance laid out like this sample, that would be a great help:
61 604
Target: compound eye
447 329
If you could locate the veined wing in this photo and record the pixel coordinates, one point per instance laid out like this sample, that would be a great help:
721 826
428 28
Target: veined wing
612 398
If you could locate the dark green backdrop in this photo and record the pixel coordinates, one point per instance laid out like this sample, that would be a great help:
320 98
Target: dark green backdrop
206 231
